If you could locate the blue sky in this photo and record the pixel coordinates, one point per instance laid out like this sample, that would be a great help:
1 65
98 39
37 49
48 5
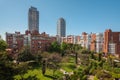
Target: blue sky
80 15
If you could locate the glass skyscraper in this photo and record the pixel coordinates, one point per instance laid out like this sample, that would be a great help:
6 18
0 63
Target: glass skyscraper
33 19
61 28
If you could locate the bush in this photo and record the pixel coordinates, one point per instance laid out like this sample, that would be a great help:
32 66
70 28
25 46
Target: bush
84 77
25 55
95 78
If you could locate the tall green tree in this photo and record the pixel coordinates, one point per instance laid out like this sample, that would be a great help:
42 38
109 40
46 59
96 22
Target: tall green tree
75 49
44 65
55 47
63 48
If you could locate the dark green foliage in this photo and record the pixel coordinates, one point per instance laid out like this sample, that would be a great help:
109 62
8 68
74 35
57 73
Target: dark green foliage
74 76
92 55
99 56
6 70
84 58
79 74
3 45
38 57
63 48
4 57
85 51
84 77
103 75
25 55
67 77
55 47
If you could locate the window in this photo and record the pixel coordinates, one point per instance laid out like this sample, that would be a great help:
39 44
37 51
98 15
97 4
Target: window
39 42
39 46
111 48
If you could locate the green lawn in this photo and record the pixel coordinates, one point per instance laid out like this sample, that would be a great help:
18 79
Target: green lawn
70 65
37 71
39 75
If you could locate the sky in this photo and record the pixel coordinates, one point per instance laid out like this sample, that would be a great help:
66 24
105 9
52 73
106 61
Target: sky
80 15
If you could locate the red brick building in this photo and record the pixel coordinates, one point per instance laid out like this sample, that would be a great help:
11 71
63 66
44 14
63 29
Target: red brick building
15 41
36 41
93 42
111 42
41 42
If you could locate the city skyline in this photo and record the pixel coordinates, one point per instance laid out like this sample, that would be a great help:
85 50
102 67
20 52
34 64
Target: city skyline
80 15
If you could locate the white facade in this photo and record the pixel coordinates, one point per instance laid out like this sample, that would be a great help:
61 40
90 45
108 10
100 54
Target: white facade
99 42
82 41
27 40
88 41
85 41
111 48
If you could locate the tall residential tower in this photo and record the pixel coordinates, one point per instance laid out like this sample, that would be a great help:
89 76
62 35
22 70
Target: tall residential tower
61 28
33 19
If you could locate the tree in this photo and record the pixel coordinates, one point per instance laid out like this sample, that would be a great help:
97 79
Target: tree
69 48
6 71
79 74
55 47
53 61
25 55
6 68
92 55
44 65
63 48
38 57
3 45
85 51
75 49
99 56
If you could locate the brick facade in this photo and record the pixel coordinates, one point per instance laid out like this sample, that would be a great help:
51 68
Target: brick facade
37 42
111 42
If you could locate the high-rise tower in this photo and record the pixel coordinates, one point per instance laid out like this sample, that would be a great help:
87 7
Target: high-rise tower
61 28
33 19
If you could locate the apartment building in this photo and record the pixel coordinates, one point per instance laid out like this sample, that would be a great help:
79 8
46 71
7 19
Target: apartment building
70 39
111 42
99 42
93 42
15 41
36 42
